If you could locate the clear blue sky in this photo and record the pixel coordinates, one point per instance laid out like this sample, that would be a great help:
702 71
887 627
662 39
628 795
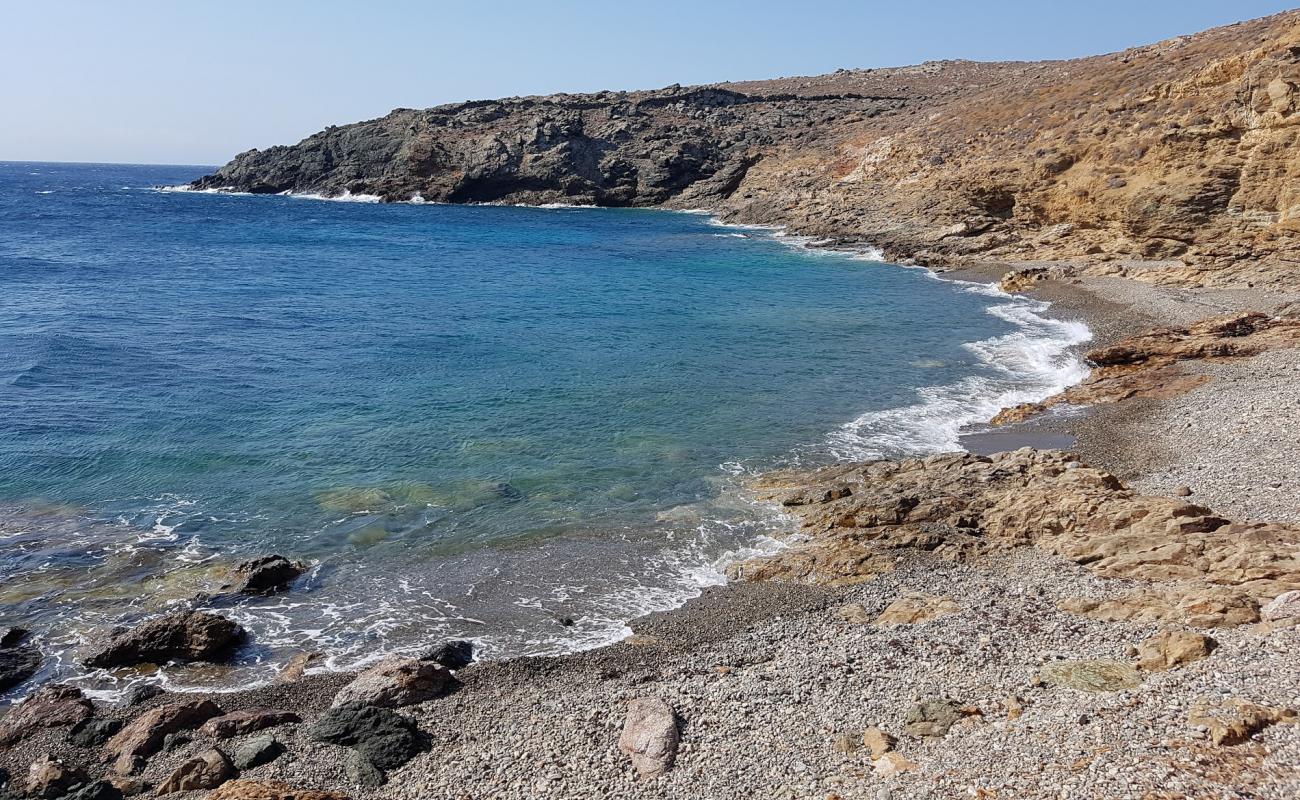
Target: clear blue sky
195 82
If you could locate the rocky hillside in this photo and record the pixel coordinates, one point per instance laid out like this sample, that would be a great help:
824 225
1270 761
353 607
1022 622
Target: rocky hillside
1173 162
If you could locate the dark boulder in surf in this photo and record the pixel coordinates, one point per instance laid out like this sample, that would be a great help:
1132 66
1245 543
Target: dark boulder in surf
183 636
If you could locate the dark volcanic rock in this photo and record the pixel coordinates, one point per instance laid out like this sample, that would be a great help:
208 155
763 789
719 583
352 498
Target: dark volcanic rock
268 574
139 693
183 636
453 654
363 772
93 732
385 737
19 660
257 751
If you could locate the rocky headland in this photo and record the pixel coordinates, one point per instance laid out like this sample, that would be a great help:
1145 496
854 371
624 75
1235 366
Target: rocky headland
1119 620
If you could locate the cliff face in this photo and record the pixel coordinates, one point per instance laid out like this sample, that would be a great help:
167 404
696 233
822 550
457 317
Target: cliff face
1175 162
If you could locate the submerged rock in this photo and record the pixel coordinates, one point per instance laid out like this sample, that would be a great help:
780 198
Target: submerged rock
19 659
650 736
268 574
183 636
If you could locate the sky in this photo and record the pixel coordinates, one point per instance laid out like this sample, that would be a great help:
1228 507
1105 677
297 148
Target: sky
191 82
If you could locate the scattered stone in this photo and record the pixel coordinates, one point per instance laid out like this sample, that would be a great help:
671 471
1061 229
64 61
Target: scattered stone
49 778
361 771
269 790
1101 675
297 666
257 751
145 735
1183 491
932 717
453 654
239 723
396 682
208 770
891 764
52 706
915 607
183 636
1232 721
846 743
387 738
1170 649
855 614
1284 606
92 732
650 736
1014 707
268 574
878 742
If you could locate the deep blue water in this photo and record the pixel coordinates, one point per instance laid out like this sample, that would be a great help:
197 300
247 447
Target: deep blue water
474 418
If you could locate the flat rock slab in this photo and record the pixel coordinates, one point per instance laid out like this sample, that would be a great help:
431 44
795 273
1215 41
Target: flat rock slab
1102 675
239 723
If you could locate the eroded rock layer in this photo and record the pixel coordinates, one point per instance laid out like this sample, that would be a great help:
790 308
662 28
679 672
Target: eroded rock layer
1195 567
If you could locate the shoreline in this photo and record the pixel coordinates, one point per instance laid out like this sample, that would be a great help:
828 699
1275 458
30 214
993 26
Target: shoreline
771 682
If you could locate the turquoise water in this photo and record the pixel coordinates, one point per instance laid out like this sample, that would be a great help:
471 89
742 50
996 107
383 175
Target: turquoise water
474 420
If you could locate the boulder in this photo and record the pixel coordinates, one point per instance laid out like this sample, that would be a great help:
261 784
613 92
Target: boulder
932 717
1170 649
19 659
914 607
49 778
396 682
90 733
269 790
139 693
385 737
650 736
145 735
257 751
183 636
238 723
1233 720
207 770
268 574
1101 675
1285 606
452 654
52 706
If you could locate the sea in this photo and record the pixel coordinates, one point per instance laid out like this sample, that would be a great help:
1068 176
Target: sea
523 426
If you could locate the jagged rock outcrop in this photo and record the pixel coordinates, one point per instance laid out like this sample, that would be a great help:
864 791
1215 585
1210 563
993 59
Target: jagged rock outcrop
183 636
1172 162
1203 569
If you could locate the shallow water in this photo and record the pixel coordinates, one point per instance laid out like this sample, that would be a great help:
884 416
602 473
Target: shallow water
474 420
